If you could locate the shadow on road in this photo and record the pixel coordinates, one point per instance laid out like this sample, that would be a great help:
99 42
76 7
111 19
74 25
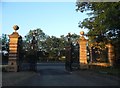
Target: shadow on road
51 71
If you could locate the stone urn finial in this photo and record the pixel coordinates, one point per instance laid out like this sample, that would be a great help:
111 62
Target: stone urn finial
15 27
82 33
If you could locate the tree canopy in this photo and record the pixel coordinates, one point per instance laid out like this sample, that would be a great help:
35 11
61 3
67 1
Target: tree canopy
104 19
103 23
46 43
4 41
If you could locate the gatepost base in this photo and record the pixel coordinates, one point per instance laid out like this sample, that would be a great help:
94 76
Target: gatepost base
12 68
84 66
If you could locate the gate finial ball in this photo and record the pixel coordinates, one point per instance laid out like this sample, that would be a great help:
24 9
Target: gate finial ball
15 27
82 33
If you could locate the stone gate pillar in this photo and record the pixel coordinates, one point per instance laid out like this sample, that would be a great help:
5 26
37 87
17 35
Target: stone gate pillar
110 54
83 52
13 50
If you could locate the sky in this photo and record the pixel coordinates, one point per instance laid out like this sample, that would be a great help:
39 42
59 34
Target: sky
54 18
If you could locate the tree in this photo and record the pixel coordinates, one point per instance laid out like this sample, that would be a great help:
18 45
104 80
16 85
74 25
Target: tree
5 42
39 35
5 48
104 18
103 22
48 44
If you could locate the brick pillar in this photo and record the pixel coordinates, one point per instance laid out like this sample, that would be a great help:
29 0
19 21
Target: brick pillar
13 51
91 57
110 54
83 52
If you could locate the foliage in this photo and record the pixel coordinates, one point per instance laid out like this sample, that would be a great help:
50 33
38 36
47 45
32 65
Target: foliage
5 42
103 23
104 19
49 44
39 35
49 47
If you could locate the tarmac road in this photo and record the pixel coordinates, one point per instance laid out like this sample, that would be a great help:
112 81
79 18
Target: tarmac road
54 74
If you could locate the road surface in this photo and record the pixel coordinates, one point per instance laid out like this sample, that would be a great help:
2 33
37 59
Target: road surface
54 74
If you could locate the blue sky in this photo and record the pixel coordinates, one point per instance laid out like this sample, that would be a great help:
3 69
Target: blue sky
54 18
